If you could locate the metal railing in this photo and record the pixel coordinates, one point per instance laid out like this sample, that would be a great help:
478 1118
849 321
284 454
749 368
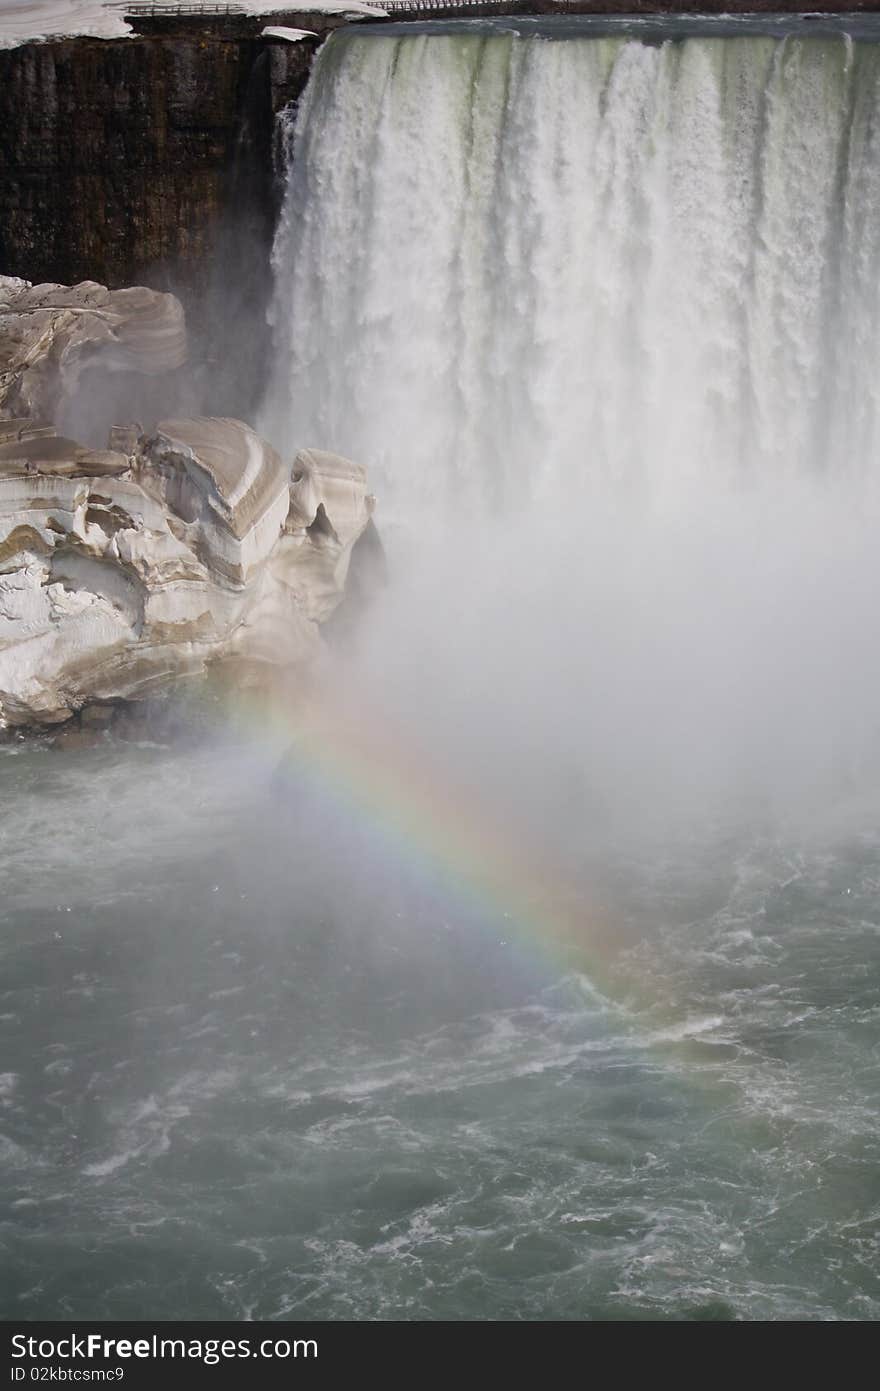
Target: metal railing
394 6
162 9
440 6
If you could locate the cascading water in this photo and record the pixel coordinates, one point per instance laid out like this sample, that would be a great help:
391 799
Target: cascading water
601 316
509 264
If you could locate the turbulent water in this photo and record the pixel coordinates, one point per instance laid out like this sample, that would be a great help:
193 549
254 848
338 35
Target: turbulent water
597 304
230 1092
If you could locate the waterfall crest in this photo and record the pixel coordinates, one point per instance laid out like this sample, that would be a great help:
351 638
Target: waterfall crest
505 262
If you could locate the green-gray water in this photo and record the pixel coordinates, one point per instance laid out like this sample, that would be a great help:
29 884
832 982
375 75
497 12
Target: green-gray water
229 1093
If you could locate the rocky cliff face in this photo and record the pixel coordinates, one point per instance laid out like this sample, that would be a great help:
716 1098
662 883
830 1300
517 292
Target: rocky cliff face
118 157
149 160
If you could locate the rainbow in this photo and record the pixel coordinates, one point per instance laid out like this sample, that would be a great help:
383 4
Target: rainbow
390 783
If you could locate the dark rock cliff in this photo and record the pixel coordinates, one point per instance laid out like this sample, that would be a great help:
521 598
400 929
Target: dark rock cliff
149 160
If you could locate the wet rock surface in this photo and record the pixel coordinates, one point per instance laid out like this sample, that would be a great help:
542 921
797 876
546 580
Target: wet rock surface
119 157
150 158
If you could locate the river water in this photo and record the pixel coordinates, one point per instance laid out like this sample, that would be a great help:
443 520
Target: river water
228 1091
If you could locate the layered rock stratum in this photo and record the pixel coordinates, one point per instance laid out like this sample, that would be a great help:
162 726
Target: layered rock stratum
177 548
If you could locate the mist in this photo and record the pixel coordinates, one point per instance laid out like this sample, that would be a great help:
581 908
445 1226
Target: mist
627 664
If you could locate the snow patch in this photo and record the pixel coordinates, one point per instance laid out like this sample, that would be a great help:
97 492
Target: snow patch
31 21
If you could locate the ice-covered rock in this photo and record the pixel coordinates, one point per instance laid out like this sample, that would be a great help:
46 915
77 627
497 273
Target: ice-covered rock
192 543
227 484
51 334
329 511
121 574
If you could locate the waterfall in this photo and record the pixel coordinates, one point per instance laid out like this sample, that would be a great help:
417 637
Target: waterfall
509 261
602 318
